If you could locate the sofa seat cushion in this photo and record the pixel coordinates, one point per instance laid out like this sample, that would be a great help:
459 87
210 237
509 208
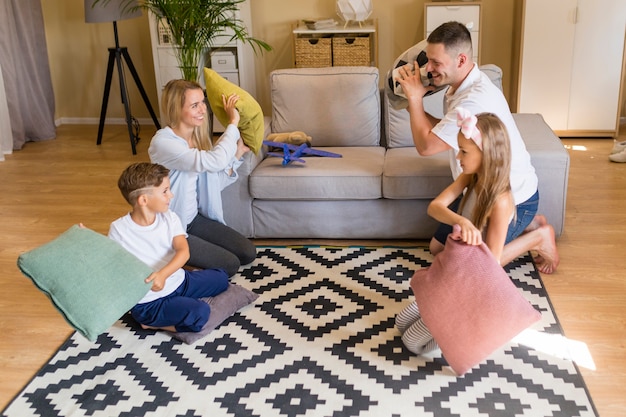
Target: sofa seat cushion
407 175
357 175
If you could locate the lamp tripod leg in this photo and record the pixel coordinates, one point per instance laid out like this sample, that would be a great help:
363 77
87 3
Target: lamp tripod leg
129 121
115 58
142 91
105 96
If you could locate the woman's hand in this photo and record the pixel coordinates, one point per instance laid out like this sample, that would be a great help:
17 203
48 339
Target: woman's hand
241 149
231 111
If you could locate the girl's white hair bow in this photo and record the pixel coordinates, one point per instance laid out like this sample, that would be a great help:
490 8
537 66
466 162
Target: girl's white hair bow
467 122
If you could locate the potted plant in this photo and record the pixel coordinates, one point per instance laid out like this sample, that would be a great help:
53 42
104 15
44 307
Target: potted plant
194 25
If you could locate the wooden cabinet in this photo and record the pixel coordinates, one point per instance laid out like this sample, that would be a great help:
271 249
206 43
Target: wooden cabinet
571 64
351 45
233 60
468 13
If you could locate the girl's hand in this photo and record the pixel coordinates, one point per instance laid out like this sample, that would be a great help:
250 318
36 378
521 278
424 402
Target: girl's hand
469 233
231 111
241 149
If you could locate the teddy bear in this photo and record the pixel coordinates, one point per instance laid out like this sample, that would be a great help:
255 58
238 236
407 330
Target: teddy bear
293 138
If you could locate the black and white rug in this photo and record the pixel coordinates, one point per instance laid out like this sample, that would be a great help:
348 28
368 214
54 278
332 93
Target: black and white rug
319 341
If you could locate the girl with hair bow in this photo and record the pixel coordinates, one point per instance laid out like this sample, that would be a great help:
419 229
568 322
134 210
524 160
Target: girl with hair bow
487 205
485 211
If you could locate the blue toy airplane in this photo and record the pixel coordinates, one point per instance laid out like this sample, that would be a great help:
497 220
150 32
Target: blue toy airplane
293 153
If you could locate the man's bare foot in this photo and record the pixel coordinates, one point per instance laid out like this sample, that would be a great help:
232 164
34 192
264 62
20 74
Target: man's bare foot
548 257
537 221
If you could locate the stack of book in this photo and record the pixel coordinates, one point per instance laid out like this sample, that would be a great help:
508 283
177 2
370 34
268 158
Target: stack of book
317 24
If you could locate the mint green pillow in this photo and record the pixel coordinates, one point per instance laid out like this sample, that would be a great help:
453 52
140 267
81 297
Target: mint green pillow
89 278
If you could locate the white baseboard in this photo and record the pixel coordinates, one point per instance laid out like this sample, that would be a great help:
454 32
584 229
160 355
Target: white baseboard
96 121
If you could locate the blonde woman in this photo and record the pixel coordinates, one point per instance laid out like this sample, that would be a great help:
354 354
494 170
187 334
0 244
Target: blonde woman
199 171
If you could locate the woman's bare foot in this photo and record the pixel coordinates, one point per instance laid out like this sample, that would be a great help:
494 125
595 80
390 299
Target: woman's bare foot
548 257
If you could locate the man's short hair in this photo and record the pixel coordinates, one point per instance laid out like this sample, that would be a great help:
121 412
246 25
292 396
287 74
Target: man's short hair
454 36
138 176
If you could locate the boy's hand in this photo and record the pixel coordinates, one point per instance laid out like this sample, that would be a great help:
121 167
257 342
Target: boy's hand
230 109
158 281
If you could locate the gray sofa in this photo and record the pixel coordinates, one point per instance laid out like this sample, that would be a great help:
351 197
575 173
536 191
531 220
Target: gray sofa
381 187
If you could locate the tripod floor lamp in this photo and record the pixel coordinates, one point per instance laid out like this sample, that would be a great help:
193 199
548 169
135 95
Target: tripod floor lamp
112 11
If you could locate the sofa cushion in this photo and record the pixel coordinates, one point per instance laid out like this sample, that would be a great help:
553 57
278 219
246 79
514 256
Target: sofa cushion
397 122
336 106
356 175
407 175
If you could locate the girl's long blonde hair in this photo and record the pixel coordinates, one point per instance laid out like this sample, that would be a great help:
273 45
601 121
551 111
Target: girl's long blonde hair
172 102
493 178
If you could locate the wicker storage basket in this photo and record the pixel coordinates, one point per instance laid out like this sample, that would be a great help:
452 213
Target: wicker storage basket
351 51
313 52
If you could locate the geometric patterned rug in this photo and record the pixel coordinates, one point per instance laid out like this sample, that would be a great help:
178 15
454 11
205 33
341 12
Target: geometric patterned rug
319 341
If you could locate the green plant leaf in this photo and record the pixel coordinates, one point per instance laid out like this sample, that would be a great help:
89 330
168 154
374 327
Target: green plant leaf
195 25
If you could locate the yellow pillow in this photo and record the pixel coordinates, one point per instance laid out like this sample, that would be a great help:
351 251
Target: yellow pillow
251 124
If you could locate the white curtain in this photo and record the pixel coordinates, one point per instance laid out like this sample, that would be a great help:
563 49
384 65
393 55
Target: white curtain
6 137
26 72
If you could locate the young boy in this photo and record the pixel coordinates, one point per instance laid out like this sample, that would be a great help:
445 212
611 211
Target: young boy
154 234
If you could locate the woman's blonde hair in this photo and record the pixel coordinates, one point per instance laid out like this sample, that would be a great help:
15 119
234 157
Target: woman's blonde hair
493 177
172 102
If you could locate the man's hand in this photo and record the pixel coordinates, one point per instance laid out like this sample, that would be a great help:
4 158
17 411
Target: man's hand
411 81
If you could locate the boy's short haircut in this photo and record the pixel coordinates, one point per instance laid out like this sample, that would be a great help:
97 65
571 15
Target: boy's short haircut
139 176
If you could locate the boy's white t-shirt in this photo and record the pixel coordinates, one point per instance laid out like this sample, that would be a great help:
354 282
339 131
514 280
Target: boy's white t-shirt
153 245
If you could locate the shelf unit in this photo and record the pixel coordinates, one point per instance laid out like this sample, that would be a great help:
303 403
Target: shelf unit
352 44
466 12
233 60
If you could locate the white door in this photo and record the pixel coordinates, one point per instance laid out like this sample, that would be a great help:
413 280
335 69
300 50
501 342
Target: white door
546 61
597 64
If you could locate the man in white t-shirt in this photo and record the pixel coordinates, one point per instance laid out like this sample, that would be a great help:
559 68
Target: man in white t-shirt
449 52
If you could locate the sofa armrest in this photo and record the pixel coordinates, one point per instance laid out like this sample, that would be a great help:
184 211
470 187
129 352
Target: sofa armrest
551 161
236 198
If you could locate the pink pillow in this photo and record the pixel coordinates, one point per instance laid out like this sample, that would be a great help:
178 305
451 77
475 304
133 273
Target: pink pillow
469 304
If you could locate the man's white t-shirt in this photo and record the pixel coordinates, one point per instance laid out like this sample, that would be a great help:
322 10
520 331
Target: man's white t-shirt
153 245
478 94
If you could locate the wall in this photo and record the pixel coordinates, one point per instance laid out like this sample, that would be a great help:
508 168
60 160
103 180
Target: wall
78 50
78 54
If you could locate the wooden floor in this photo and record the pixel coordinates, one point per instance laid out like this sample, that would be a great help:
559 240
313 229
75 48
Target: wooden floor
49 186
